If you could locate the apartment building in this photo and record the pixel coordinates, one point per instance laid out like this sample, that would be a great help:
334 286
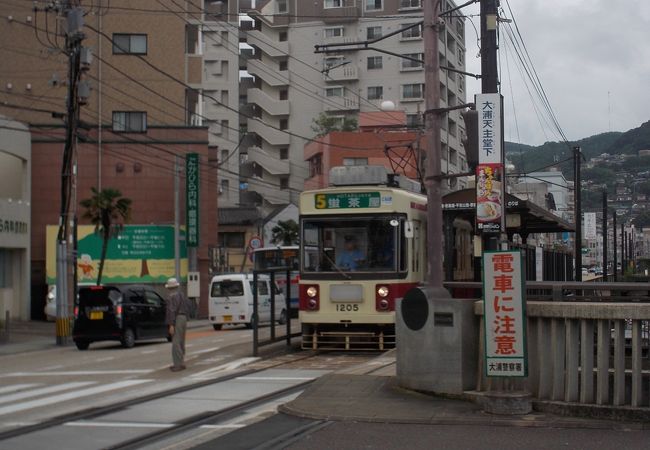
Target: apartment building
293 85
137 121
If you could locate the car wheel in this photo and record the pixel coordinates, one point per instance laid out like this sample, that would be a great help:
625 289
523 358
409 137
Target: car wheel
82 345
216 326
128 338
169 338
283 317
251 324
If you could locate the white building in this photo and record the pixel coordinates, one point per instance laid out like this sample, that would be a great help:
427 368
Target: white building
294 85
15 214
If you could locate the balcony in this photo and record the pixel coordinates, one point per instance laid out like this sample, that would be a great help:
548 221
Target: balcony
341 104
271 135
270 163
274 49
348 72
271 75
268 103
343 14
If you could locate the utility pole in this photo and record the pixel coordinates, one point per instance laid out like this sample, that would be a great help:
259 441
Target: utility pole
433 180
177 220
490 85
577 192
64 252
615 263
622 250
604 234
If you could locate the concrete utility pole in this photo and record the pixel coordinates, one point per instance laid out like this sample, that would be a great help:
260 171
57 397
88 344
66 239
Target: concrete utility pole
64 258
605 235
615 263
490 85
433 181
177 220
577 212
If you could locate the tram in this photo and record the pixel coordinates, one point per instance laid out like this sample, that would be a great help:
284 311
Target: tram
362 247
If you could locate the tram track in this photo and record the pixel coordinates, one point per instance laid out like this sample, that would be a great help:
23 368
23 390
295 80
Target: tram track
95 412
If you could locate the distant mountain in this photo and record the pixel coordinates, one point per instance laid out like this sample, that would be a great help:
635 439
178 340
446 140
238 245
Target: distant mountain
528 158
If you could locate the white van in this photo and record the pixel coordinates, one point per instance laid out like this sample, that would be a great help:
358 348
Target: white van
231 300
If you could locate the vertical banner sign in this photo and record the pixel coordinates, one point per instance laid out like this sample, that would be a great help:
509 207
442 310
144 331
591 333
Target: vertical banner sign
192 198
489 172
504 315
589 226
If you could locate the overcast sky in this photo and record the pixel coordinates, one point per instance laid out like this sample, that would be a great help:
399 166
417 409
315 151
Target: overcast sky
591 56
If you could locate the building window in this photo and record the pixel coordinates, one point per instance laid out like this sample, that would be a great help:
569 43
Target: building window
413 32
231 239
412 91
5 268
374 5
129 44
355 161
284 124
130 121
224 187
224 156
332 3
334 32
409 4
334 92
284 183
315 166
283 65
284 153
375 62
283 36
284 94
410 64
333 61
452 127
283 8
373 32
413 121
375 92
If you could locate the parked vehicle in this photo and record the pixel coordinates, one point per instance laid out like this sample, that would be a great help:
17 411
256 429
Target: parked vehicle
120 313
231 300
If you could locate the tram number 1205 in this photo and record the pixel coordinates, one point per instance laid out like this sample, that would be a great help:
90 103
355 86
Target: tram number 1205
347 307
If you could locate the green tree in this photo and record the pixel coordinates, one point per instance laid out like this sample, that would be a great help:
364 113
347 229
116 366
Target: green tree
285 233
642 220
108 211
325 124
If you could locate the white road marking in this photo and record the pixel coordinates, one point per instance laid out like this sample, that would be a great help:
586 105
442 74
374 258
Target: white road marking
220 427
17 387
58 366
198 352
69 396
233 365
275 378
108 358
42 391
75 372
119 424
147 352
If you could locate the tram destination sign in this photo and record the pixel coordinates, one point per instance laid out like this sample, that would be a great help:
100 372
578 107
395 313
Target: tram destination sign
348 200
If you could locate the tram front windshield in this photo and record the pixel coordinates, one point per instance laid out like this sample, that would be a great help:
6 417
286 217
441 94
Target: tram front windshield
354 244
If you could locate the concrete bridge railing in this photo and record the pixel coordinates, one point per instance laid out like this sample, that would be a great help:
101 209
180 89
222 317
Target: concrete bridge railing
588 343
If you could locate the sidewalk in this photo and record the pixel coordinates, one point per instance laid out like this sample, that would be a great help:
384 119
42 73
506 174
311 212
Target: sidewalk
29 336
377 398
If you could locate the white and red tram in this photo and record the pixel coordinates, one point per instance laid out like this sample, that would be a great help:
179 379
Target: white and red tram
352 306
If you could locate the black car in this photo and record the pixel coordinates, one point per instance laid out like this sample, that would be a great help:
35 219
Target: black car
119 313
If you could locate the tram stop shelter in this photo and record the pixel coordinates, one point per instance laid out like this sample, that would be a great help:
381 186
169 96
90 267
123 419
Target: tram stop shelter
523 217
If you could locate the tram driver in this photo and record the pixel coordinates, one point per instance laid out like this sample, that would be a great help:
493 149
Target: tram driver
351 258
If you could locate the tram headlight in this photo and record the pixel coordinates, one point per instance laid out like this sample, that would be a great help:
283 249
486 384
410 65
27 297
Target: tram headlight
382 291
384 298
312 291
309 297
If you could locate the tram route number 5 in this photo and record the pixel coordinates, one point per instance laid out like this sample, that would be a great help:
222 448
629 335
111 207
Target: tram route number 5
347 307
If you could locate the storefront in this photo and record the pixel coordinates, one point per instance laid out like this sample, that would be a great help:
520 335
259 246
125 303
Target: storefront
15 212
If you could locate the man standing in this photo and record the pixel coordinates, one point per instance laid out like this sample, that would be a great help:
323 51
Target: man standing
178 310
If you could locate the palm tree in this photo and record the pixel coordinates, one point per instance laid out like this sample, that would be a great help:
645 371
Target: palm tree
285 233
108 211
